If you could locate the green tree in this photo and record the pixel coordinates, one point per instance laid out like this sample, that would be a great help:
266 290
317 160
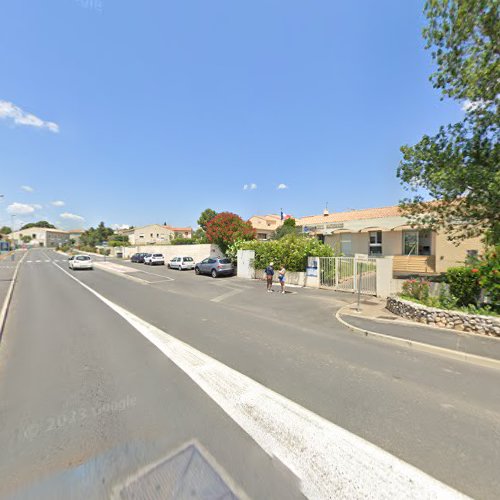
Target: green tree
41 223
459 167
206 216
95 236
226 228
199 236
288 227
26 239
5 230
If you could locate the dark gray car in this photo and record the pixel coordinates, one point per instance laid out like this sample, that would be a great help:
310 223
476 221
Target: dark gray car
214 267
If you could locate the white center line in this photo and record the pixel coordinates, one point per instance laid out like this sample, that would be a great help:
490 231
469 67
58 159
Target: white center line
330 461
232 292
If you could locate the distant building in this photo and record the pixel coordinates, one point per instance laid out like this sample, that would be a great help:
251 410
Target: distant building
155 234
383 232
75 234
265 225
40 237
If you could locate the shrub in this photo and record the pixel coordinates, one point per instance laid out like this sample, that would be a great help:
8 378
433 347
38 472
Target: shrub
416 289
489 277
464 284
291 251
183 241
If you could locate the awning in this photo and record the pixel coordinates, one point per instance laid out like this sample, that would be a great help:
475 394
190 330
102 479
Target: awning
372 228
402 227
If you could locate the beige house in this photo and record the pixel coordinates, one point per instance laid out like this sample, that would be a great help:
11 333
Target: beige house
155 234
265 225
40 237
381 232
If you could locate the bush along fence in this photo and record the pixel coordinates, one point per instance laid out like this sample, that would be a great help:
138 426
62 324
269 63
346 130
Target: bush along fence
476 323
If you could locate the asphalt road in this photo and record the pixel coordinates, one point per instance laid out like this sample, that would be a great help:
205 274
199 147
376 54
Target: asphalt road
87 400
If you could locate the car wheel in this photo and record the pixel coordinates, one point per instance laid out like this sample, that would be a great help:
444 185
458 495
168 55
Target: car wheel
214 273
196 270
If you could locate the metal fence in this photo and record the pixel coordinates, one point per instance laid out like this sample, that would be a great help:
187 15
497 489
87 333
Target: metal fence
349 274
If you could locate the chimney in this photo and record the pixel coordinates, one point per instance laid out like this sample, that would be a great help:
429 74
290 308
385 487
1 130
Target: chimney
326 213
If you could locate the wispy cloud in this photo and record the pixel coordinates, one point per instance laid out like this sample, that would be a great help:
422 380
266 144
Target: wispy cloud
70 216
8 110
21 208
57 203
37 206
119 226
282 186
250 187
28 189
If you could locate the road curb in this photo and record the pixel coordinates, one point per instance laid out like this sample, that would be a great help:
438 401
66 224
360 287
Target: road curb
421 346
8 297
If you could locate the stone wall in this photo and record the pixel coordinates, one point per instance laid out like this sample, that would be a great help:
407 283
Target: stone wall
485 325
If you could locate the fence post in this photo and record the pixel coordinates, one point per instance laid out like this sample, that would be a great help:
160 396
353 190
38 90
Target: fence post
336 263
355 274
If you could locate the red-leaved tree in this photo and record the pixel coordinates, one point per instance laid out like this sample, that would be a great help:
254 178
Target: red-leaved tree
226 228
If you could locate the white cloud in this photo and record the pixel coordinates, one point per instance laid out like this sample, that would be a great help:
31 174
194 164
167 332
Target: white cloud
58 203
36 206
28 189
251 186
67 215
20 208
119 226
282 186
20 117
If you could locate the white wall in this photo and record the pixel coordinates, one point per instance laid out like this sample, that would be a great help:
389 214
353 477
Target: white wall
197 252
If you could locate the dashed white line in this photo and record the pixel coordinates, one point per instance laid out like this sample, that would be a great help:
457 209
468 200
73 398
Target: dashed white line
329 461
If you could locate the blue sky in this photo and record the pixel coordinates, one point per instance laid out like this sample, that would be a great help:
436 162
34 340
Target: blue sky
153 110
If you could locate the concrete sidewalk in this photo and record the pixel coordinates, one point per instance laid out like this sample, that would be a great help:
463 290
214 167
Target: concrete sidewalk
374 318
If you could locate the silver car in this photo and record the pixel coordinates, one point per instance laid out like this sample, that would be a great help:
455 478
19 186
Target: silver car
80 262
181 263
215 267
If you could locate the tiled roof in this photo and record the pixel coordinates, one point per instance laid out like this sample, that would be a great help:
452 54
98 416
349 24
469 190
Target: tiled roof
366 213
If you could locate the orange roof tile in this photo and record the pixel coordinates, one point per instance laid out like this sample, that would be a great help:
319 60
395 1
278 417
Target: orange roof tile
366 213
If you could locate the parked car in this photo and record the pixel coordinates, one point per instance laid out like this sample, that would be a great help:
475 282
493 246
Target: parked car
153 259
215 267
138 257
80 262
146 257
182 263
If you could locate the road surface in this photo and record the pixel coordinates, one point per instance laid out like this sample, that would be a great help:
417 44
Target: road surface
95 388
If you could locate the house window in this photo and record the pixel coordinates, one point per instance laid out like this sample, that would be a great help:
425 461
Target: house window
375 247
346 244
262 236
417 242
141 236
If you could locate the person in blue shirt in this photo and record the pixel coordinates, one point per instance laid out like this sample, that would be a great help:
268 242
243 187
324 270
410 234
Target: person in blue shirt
269 276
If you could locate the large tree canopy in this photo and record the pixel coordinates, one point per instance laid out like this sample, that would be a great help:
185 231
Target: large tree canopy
459 167
41 223
227 228
205 217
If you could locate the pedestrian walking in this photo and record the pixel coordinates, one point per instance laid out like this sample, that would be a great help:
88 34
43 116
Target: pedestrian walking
269 276
281 277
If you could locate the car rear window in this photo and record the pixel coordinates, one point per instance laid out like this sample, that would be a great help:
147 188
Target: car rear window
188 259
224 261
157 255
82 257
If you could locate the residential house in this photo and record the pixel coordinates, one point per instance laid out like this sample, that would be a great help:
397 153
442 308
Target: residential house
155 234
75 234
40 237
381 232
265 225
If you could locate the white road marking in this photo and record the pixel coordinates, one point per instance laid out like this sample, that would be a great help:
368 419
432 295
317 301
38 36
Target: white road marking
330 461
220 298
38 261
29 261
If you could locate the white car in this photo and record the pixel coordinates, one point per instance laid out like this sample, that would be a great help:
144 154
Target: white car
181 263
80 262
153 259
